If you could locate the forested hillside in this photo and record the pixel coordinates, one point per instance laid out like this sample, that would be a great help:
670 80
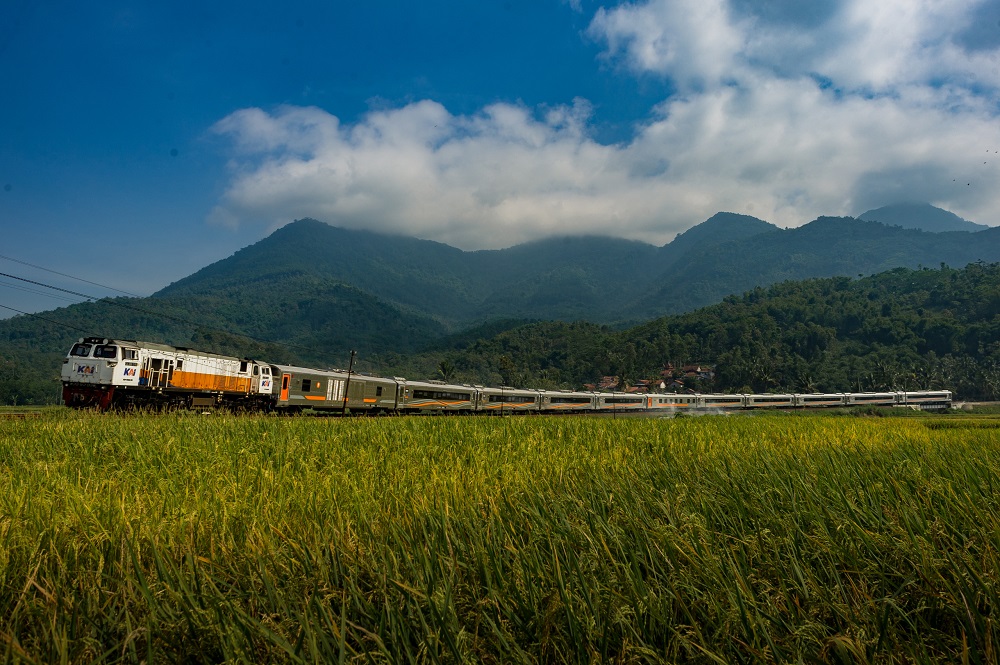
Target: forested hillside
903 329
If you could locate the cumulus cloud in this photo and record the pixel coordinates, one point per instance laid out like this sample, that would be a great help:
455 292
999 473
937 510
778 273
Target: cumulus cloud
785 116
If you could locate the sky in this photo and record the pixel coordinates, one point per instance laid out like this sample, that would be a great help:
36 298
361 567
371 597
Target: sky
143 141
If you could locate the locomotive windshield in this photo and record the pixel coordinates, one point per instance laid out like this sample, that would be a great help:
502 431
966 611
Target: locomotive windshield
106 351
81 350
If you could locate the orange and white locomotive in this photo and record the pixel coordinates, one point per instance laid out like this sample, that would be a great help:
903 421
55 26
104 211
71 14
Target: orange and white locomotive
119 373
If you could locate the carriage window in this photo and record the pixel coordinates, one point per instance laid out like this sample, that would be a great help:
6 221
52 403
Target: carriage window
439 394
306 385
378 391
81 350
513 398
106 351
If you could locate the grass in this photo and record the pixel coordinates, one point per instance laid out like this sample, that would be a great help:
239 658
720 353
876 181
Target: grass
764 539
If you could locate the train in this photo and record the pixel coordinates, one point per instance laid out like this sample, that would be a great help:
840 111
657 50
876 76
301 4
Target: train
105 373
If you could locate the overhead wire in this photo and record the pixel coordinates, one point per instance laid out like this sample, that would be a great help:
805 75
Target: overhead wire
117 303
37 292
62 274
58 323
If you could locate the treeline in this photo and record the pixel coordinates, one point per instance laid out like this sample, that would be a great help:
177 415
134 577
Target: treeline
903 329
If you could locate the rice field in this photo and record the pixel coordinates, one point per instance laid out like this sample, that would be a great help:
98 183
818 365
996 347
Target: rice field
185 538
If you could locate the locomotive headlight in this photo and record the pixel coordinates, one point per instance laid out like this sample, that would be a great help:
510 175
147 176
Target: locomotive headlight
112 364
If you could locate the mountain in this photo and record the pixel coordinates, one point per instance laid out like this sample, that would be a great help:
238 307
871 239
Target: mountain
825 247
921 216
564 278
720 228
419 275
309 293
556 278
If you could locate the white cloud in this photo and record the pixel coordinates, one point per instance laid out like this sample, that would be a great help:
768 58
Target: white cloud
861 45
776 119
695 41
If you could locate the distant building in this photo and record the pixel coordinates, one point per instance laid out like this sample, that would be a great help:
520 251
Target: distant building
703 372
607 383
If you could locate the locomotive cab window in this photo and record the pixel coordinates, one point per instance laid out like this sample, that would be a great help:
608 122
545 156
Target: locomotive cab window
133 354
106 351
243 367
81 350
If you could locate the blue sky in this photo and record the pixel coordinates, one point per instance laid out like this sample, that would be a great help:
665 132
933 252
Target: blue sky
141 143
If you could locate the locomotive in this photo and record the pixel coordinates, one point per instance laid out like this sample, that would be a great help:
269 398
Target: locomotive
106 373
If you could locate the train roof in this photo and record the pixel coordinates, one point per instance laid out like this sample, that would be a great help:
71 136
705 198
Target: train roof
156 346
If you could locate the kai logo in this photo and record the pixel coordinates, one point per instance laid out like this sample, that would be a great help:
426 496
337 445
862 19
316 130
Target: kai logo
85 369
129 371
265 383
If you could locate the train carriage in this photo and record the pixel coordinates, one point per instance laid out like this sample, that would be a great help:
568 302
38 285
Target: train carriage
929 399
815 400
769 401
436 396
567 401
332 390
721 401
878 399
620 402
499 400
671 402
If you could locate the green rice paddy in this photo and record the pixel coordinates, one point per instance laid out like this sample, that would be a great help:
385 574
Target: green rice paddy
185 538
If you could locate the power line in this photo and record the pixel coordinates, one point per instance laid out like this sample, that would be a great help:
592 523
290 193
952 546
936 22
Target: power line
48 286
116 302
58 323
79 279
37 292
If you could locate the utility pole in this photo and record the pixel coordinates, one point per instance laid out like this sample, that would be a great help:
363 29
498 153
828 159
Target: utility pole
347 388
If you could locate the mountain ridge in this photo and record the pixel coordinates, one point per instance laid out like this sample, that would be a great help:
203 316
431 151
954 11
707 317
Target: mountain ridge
923 216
